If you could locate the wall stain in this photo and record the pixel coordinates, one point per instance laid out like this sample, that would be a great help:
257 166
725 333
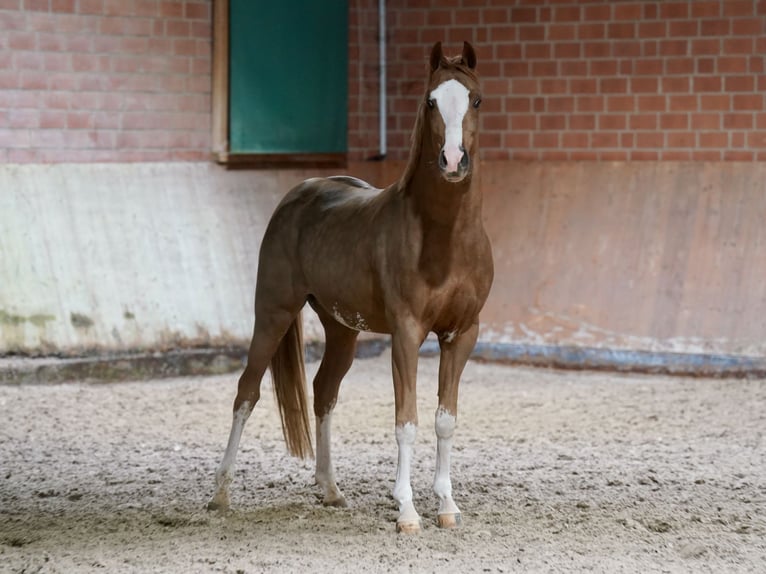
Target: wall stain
80 321
38 320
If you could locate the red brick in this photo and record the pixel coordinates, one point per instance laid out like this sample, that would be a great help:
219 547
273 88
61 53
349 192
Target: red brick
706 8
527 14
573 68
618 30
705 65
707 83
613 85
738 45
561 32
197 11
582 122
591 31
643 122
545 140
674 47
575 139
626 49
63 6
545 68
652 29
597 12
553 122
713 139
627 11
528 33
729 155
605 139
706 155
597 49
522 123
675 155
651 103
649 67
537 51
708 46
590 103
566 14
756 139
748 102
603 67
735 8
583 86
718 102
702 121
649 139
732 65
612 122
715 27
564 50
738 121
553 86
640 84
620 103
679 66
683 28
739 83
561 104
674 9
495 16
683 103
747 27
674 121
675 84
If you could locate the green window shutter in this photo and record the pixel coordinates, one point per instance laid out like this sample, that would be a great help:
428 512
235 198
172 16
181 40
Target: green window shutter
288 82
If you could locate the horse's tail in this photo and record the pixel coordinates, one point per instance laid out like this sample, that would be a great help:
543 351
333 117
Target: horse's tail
289 381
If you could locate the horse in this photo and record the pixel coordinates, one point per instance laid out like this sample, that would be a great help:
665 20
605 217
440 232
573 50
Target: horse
407 260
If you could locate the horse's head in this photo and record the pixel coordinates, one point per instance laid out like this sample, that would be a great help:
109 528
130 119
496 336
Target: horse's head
451 107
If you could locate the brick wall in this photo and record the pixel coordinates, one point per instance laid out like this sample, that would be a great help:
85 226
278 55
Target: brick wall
129 80
104 80
590 79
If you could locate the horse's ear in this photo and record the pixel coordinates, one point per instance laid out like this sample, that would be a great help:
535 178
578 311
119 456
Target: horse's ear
469 55
436 56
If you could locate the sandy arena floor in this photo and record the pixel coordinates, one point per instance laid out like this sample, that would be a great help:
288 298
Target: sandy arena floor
554 472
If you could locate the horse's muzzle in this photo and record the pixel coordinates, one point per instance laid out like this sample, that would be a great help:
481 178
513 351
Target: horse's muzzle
458 170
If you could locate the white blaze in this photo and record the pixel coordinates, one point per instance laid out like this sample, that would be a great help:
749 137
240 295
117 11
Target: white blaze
452 100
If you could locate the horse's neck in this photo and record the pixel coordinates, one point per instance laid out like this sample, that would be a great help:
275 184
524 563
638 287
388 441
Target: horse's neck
441 204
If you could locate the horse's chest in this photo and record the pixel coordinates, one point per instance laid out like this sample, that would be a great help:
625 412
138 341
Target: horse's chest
454 306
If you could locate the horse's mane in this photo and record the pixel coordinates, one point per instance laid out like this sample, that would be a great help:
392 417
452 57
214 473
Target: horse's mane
455 64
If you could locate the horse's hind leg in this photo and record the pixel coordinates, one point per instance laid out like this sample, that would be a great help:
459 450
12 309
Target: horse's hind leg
340 346
269 329
454 355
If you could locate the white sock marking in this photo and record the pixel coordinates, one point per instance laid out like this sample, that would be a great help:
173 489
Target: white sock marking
445 428
325 473
452 99
405 439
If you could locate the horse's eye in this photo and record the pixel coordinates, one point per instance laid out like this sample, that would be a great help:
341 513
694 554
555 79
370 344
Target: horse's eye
477 103
431 102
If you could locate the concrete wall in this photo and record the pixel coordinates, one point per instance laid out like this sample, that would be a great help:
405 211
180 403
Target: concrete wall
648 257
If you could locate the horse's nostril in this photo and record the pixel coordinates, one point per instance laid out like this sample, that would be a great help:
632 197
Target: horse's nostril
442 160
464 160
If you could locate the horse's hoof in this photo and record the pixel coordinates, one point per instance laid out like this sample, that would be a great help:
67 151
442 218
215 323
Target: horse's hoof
450 520
408 527
216 504
335 502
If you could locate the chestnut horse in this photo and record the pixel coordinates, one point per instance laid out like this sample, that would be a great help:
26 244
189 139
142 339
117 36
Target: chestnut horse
407 260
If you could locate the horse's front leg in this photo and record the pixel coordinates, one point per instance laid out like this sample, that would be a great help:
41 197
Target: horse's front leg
405 343
455 350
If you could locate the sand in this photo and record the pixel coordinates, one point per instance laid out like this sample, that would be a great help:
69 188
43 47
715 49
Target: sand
554 471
